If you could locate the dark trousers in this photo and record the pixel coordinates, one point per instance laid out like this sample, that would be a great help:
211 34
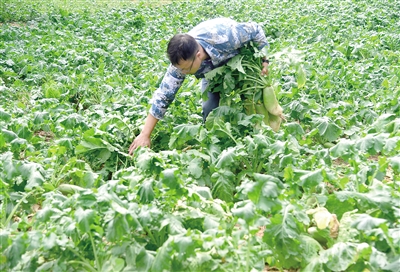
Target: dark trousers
211 103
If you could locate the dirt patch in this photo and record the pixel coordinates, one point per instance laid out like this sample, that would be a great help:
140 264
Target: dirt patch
340 162
14 24
48 136
373 158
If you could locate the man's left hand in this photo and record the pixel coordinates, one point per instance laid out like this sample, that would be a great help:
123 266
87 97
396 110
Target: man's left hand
264 70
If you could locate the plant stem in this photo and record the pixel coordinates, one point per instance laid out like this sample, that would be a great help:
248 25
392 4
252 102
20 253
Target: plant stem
57 182
79 255
116 164
88 266
260 80
232 138
150 235
259 167
94 251
248 254
251 88
17 206
257 80
3 211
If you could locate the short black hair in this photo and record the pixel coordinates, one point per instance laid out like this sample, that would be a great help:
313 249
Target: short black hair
181 47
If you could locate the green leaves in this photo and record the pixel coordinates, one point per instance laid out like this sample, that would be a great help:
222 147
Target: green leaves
146 192
183 134
342 255
328 130
117 228
379 196
223 185
4 116
227 195
169 178
96 146
395 163
27 174
236 63
301 77
263 192
367 222
84 219
283 234
245 210
312 178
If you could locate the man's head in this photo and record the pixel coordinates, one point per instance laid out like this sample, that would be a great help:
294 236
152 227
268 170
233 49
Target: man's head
182 51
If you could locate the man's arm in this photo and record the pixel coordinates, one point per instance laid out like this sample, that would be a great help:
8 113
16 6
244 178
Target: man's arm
143 139
256 34
252 31
166 92
161 99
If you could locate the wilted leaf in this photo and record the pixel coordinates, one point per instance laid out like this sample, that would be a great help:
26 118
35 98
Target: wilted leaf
393 266
4 239
15 250
32 172
49 241
283 233
264 192
92 144
321 216
310 247
8 135
73 121
334 226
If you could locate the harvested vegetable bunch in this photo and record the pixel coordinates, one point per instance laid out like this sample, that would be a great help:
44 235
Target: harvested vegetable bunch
242 76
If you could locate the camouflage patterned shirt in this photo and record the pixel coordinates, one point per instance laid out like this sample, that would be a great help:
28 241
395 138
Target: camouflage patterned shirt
221 38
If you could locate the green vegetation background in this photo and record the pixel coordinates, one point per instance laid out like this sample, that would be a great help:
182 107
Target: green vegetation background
230 195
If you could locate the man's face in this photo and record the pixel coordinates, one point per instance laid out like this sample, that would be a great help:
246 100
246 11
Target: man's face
190 66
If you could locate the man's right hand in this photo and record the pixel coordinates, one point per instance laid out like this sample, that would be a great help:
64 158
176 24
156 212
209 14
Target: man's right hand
143 139
140 140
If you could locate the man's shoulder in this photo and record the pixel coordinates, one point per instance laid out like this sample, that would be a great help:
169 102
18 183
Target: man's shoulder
219 20
215 23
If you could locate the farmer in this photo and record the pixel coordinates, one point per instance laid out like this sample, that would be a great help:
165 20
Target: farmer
207 46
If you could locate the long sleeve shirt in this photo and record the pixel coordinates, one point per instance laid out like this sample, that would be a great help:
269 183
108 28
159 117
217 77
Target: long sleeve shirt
221 39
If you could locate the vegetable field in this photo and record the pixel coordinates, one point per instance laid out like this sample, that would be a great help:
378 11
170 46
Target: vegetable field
319 194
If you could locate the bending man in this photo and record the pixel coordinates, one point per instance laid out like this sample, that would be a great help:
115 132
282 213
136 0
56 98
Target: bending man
207 46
